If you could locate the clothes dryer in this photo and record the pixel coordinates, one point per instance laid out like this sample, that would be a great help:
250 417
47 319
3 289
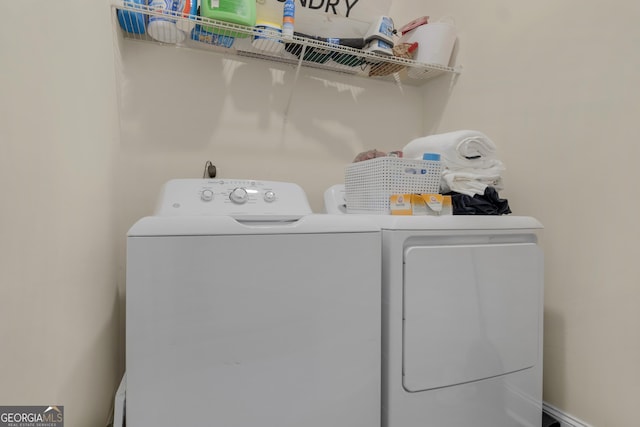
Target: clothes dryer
462 311
245 309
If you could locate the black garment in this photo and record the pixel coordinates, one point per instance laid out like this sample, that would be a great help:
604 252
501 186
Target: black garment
488 203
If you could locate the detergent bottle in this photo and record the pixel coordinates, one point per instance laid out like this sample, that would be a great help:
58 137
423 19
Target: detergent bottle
241 12
288 18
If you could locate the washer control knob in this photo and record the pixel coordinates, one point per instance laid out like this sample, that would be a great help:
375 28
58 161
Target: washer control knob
269 196
206 195
239 195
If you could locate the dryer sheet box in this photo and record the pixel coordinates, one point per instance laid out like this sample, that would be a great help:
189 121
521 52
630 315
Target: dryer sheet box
420 204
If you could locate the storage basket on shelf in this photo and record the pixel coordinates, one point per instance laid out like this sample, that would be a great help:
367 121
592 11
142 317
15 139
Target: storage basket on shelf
370 183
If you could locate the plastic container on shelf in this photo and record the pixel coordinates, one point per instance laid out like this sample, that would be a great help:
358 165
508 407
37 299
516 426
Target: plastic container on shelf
435 42
268 37
190 12
382 29
288 18
239 12
133 22
163 28
207 37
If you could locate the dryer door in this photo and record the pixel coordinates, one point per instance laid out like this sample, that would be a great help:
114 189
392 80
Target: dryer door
470 312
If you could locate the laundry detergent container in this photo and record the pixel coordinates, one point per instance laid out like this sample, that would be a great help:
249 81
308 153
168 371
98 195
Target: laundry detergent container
240 12
435 45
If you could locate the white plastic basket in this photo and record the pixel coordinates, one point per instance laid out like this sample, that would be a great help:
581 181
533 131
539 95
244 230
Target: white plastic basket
370 183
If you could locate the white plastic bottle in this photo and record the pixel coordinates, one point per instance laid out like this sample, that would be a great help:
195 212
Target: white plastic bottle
288 18
163 28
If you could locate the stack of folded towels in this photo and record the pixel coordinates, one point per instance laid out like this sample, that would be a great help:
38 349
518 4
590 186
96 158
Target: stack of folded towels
470 166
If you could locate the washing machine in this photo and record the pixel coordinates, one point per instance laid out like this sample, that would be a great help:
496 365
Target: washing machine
245 309
462 312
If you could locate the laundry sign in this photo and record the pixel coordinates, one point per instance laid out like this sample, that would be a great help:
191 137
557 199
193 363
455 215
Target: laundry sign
327 18
355 9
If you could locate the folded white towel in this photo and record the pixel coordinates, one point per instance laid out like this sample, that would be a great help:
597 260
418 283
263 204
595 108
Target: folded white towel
458 149
470 183
469 162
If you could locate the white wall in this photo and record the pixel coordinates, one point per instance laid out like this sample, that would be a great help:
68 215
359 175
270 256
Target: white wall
58 130
555 85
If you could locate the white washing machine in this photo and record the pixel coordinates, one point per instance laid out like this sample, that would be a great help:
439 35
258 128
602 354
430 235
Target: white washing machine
462 319
245 309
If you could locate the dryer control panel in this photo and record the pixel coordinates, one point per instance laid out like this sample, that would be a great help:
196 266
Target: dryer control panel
243 199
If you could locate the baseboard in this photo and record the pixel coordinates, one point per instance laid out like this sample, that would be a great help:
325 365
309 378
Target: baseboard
565 419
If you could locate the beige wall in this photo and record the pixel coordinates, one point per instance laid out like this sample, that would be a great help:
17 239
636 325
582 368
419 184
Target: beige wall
555 85
552 83
58 136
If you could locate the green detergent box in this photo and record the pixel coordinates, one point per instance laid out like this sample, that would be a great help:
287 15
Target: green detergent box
240 12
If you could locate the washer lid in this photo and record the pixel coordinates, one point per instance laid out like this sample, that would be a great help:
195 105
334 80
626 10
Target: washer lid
226 225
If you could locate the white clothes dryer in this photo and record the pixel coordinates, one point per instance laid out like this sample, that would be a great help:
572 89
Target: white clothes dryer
462 312
245 309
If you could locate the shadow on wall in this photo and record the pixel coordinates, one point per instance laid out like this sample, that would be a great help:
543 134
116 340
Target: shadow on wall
555 358
437 95
180 99
161 101
87 374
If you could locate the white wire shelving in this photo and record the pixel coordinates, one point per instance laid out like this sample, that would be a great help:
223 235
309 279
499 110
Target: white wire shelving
197 32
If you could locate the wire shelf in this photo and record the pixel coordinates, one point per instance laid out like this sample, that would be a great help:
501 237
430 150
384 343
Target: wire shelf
141 22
